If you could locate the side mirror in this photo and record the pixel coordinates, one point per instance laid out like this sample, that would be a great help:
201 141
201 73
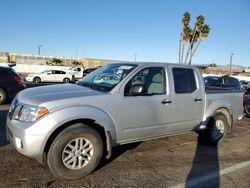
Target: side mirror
136 90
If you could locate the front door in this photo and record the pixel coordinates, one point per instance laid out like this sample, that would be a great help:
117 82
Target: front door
146 112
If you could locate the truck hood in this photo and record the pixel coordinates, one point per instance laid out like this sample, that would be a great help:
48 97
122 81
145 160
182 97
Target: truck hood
44 94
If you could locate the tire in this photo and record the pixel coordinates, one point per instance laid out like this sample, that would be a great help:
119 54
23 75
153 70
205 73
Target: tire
246 112
66 80
3 96
216 131
36 80
67 162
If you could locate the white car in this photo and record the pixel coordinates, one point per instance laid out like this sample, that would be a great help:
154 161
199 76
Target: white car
50 76
77 72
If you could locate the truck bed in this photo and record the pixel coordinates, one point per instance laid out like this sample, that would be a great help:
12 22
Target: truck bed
232 97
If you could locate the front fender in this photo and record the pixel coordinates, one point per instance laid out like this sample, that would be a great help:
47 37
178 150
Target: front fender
71 113
48 124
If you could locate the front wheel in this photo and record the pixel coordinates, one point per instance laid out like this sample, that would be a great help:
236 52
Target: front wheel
37 80
75 152
66 80
218 127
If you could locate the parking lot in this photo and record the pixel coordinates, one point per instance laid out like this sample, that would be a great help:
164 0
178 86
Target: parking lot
176 161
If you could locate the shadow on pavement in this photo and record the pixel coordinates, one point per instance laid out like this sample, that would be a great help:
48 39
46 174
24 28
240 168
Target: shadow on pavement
116 152
205 167
3 114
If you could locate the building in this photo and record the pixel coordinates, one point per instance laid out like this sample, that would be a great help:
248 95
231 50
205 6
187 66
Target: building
45 60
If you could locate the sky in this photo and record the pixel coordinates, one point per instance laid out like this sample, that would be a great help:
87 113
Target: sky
129 30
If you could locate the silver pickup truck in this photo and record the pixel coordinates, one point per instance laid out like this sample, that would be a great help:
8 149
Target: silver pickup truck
71 126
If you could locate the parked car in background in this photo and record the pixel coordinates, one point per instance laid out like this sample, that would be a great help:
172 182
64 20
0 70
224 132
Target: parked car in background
50 76
244 85
77 72
89 70
10 83
246 102
222 81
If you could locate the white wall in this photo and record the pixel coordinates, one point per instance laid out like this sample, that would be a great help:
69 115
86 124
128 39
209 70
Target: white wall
24 68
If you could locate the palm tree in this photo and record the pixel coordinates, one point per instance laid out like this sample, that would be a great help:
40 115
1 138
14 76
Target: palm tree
185 38
192 36
195 35
203 35
184 34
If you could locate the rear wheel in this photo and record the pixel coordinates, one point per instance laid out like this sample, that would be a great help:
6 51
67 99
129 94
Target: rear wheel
37 80
75 152
216 131
3 96
66 80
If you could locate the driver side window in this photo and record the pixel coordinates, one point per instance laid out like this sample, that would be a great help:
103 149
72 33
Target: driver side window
149 81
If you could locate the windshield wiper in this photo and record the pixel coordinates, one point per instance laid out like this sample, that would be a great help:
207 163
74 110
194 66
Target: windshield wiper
92 86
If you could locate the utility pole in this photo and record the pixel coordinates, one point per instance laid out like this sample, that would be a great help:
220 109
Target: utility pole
39 49
231 62
135 56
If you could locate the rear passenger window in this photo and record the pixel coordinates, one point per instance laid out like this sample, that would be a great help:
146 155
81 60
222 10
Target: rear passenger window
184 80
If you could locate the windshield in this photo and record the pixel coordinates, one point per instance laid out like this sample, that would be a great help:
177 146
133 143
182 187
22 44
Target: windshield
107 77
44 72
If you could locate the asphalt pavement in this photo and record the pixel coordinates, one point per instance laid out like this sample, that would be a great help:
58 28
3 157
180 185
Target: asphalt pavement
177 161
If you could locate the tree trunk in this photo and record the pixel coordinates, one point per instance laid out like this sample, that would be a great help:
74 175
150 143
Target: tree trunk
190 57
182 52
187 54
180 49
196 47
191 45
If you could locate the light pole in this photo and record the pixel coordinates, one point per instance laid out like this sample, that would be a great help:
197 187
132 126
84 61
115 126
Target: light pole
135 56
39 49
231 62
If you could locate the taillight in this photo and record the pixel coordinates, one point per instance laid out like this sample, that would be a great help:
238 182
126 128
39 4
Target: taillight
18 80
244 100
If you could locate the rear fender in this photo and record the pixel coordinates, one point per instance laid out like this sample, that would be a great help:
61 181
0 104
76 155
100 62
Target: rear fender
219 106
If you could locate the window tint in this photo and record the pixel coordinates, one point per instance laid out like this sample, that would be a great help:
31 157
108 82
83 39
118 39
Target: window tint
151 79
184 80
59 72
234 82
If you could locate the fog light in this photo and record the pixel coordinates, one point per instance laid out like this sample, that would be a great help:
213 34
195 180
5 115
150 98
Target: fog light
18 142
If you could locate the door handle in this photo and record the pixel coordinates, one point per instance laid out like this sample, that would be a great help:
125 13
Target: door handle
165 101
197 99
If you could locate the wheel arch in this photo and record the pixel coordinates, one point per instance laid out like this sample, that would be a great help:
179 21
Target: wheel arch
6 91
227 113
104 133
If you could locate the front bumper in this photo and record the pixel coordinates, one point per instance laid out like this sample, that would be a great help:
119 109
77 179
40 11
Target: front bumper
26 144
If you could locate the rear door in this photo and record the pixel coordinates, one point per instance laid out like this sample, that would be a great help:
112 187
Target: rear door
188 99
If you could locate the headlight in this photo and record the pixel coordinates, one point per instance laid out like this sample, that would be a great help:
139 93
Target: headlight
29 113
